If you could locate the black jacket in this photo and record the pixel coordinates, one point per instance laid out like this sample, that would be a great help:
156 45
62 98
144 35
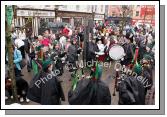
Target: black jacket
131 92
72 55
91 49
90 92
129 49
49 92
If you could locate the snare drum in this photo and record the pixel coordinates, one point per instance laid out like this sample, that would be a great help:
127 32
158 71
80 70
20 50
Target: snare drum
116 52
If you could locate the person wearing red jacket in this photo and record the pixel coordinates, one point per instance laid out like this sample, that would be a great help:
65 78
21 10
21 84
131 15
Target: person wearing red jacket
66 31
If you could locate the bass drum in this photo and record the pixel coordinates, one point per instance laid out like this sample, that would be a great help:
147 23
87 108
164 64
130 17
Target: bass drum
116 52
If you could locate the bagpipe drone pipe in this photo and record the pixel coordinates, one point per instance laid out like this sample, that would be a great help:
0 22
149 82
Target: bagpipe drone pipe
134 80
89 91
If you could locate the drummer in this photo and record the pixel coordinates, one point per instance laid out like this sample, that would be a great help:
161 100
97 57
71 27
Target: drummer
101 54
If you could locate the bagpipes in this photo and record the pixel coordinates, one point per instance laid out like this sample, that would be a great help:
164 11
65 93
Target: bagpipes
88 90
131 91
57 58
134 61
134 66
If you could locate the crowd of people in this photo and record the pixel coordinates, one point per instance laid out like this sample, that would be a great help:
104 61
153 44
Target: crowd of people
53 50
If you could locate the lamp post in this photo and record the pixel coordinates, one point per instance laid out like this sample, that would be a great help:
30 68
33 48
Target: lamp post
56 10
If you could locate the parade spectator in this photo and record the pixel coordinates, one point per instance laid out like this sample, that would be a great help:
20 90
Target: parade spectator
62 41
14 36
17 59
66 30
67 45
70 32
20 45
46 33
45 42
52 36
22 35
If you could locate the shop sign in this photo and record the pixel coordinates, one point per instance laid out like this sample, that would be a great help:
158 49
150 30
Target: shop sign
35 13
99 16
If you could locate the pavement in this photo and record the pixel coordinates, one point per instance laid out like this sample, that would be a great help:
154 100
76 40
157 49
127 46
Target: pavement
107 77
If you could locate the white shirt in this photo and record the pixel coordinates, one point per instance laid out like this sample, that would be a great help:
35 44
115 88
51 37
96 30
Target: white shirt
63 41
19 43
101 48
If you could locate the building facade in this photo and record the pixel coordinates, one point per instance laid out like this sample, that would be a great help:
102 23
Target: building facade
99 12
117 10
144 14
114 11
31 16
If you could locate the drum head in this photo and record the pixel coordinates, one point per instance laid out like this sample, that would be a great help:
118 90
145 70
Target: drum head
116 52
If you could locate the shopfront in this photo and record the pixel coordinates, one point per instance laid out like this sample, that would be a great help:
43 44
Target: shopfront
33 19
99 17
73 18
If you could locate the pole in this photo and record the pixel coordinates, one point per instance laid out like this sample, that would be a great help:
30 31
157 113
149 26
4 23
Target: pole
56 11
85 40
9 18
93 15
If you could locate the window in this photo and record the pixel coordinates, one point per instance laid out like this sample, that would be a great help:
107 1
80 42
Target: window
101 8
95 8
64 6
51 19
77 22
66 20
77 7
137 13
113 13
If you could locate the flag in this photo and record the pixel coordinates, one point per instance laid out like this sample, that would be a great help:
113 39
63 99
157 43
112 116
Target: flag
34 67
9 14
74 81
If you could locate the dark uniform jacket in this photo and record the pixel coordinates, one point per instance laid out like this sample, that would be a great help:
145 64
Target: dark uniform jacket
49 92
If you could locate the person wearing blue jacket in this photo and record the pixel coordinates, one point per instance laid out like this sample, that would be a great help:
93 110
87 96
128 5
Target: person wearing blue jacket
17 59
